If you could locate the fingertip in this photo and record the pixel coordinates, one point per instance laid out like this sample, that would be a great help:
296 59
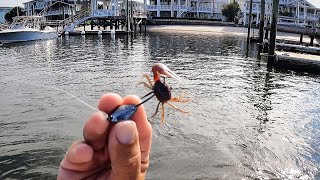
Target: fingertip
79 152
126 132
96 125
109 102
140 115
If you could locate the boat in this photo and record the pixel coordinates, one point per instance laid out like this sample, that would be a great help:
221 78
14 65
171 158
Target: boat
26 28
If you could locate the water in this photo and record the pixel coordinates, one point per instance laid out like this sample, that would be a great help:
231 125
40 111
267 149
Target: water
245 121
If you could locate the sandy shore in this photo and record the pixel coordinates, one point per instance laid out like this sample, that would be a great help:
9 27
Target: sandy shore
240 31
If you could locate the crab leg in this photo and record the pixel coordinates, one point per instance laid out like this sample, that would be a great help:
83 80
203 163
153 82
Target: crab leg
156 110
162 113
176 108
149 80
179 99
146 85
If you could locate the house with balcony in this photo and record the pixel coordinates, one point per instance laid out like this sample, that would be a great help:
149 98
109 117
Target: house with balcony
207 9
3 12
291 12
52 9
33 7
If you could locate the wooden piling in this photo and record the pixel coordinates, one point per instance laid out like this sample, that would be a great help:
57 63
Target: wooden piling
301 38
261 25
249 26
273 31
145 26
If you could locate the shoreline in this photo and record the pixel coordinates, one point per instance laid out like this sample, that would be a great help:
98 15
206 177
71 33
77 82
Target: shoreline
206 29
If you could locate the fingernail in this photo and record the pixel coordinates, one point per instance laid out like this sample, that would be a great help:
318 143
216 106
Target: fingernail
126 132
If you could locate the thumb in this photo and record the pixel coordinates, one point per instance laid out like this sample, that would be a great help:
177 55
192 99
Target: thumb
124 151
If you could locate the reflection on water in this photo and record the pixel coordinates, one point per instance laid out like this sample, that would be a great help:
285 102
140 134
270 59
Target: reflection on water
245 121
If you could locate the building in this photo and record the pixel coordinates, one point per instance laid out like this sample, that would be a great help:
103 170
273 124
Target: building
291 12
3 12
53 9
33 7
207 9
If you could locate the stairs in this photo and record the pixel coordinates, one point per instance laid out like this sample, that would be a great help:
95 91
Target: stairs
71 22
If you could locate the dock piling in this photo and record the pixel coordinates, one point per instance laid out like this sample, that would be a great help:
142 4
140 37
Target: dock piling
301 38
249 26
261 25
273 31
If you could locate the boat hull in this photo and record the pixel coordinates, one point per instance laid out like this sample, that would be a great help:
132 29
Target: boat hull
21 36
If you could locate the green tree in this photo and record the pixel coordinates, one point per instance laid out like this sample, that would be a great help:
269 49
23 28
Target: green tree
13 13
230 10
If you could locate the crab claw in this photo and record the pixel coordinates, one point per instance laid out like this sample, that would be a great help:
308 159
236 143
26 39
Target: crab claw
161 69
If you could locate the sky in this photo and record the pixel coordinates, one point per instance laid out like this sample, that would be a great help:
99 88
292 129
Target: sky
12 3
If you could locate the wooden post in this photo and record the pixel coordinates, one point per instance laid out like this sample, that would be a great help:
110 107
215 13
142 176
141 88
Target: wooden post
262 14
273 31
249 26
72 17
266 36
91 24
311 40
127 19
313 33
145 26
301 38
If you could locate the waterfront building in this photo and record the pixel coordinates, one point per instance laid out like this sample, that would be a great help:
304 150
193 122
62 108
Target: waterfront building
207 9
3 12
33 7
291 12
53 9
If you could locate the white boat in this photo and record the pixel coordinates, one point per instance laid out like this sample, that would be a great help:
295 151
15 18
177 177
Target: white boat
26 28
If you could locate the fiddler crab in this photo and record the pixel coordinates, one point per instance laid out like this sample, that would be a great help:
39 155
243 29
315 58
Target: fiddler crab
158 88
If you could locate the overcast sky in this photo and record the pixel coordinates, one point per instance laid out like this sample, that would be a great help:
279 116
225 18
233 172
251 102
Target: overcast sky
12 3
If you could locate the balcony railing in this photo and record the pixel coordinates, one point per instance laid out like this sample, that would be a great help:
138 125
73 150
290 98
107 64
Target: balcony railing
58 12
151 7
182 8
165 7
103 13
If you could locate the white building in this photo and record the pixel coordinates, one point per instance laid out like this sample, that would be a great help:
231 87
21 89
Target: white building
33 7
302 12
52 9
3 12
186 8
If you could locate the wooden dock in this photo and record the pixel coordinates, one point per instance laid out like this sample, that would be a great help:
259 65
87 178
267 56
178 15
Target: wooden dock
297 61
298 48
95 32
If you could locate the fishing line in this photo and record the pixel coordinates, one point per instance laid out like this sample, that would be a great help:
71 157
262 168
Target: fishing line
61 90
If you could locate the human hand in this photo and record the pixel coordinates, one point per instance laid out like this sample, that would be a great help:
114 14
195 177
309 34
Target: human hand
110 151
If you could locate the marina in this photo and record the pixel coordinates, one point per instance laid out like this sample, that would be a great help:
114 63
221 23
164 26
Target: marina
243 116
251 90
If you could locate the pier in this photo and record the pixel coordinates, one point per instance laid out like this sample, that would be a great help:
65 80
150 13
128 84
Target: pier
111 16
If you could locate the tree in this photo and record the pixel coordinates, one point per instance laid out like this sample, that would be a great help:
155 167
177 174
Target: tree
13 13
230 10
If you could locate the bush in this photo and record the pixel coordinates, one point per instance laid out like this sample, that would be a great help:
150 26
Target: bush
230 11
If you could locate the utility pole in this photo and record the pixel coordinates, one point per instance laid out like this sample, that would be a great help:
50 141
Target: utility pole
273 31
249 26
262 14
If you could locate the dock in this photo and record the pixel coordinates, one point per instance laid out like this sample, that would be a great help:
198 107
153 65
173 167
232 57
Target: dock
296 61
95 32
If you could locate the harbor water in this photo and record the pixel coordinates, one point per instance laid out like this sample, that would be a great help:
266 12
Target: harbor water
245 122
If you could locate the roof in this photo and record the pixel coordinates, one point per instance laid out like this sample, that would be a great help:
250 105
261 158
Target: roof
315 3
33 1
6 8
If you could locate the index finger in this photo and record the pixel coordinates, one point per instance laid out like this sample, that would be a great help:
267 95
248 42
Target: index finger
96 128
144 129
